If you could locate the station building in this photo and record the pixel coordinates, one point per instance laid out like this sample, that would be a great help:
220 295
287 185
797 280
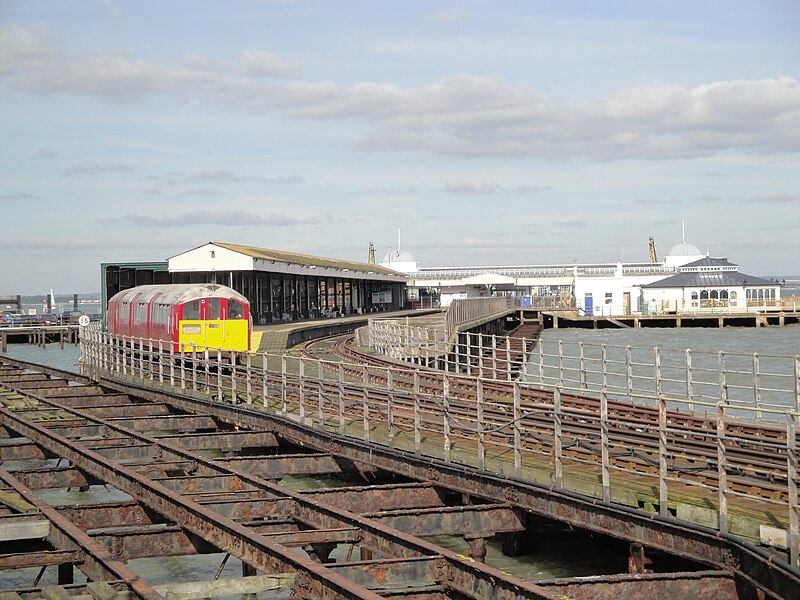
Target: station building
280 286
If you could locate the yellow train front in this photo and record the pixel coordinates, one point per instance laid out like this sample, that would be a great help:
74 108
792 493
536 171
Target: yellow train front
187 316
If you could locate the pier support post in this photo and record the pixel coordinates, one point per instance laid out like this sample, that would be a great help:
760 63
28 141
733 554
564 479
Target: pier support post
476 548
638 563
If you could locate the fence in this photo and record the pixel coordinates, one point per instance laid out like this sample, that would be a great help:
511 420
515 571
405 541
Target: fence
463 311
549 433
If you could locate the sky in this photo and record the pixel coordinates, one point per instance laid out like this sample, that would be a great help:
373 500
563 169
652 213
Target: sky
488 133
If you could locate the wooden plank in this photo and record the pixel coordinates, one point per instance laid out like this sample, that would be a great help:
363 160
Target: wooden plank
196 590
55 592
100 590
14 501
23 528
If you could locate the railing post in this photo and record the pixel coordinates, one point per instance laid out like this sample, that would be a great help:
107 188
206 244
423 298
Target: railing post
171 364
722 474
723 378
540 345
756 385
604 454
220 394
301 388
150 359
446 415
365 401
480 355
508 357
207 370
797 383
284 393
517 431
194 366
557 455
321 394
604 367
663 492
629 372
141 358
689 383
390 407
791 476
582 366
481 439
264 380
182 349
234 393
342 424
560 363
494 356
417 424
160 362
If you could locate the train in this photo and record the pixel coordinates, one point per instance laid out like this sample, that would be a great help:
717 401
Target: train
184 316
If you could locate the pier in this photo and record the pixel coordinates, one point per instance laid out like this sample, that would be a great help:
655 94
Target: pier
443 437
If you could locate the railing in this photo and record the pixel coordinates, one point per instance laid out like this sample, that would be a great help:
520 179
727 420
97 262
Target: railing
471 309
549 433
398 339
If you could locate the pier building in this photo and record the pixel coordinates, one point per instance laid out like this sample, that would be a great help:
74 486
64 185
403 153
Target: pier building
599 289
280 285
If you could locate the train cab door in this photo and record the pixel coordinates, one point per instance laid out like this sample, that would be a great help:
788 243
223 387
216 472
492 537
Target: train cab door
213 323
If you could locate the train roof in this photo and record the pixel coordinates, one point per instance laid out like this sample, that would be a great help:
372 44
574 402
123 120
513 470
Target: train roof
177 293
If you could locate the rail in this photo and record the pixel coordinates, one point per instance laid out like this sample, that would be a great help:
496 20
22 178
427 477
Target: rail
546 432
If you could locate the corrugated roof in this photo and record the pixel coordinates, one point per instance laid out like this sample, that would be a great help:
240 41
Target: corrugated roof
716 279
304 259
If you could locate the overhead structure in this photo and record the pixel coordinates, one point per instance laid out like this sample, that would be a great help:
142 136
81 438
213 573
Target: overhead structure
653 258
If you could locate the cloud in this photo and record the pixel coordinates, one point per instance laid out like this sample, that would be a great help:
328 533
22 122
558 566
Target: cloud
226 176
234 217
656 201
19 196
261 63
471 189
571 223
47 153
460 116
203 192
711 199
776 198
93 168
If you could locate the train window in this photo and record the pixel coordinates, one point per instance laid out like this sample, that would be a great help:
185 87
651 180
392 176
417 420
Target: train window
235 310
191 310
212 309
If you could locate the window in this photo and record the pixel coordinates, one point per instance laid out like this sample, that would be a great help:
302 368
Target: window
235 309
694 295
609 297
191 310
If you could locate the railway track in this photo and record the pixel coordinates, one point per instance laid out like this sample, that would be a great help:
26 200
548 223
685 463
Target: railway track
185 499
191 499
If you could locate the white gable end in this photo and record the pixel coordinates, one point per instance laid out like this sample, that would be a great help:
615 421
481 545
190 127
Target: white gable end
210 257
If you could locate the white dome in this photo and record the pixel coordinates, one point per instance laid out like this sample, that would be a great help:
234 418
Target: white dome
399 256
685 249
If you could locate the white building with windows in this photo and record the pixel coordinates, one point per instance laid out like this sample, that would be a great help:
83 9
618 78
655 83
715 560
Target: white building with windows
708 284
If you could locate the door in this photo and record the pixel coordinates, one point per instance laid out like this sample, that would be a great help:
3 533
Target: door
626 303
588 305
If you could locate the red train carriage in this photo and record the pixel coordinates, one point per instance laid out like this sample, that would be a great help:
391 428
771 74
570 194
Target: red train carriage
205 315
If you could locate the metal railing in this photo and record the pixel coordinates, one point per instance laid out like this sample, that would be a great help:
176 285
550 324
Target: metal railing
463 311
547 432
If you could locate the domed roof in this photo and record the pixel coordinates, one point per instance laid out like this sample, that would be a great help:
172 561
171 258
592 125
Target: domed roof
684 249
399 256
